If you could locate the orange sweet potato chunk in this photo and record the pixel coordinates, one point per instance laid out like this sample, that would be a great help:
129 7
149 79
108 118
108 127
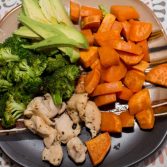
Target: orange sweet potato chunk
87 57
142 66
98 147
110 122
74 11
139 102
146 118
158 75
124 94
127 120
134 80
89 36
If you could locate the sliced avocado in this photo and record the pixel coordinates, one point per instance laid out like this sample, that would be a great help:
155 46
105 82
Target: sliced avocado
47 31
26 33
48 10
32 9
60 12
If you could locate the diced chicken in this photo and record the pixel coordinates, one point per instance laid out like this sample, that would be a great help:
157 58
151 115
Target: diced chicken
78 102
66 128
80 88
37 107
92 118
74 115
38 125
76 150
54 154
53 137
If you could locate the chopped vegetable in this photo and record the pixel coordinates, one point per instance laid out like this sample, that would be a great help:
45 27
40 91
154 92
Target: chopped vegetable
91 80
127 120
98 147
103 10
146 118
139 102
110 122
126 29
158 75
108 56
117 26
74 11
134 80
140 30
105 99
124 13
89 36
142 66
107 88
124 94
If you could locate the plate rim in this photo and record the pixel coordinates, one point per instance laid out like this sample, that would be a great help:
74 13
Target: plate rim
164 136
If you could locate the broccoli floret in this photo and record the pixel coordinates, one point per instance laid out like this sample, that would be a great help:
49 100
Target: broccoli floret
70 71
5 85
61 83
7 56
56 63
23 72
12 112
15 43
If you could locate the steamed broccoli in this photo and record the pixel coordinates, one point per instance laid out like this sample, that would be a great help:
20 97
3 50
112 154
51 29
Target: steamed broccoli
55 63
61 83
5 85
13 111
7 56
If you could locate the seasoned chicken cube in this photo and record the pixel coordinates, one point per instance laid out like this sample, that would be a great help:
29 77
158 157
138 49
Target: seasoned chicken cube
78 102
66 128
54 154
74 115
80 88
76 150
92 118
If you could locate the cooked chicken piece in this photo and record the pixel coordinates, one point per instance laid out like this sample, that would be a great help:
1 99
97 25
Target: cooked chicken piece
76 150
63 108
74 115
52 109
37 125
53 137
37 107
92 118
66 128
80 88
78 102
54 154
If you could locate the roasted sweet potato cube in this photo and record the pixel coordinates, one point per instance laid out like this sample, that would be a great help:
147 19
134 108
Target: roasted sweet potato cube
127 120
110 122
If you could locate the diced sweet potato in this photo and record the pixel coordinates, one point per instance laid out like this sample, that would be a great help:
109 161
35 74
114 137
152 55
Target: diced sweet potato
129 47
107 23
74 11
87 57
110 122
98 148
126 29
89 11
92 80
144 45
129 58
117 26
140 31
146 118
107 88
139 102
134 80
89 36
104 38
91 22
124 94
127 120
108 56
96 65
105 99
158 75
142 66
124 13
114 73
